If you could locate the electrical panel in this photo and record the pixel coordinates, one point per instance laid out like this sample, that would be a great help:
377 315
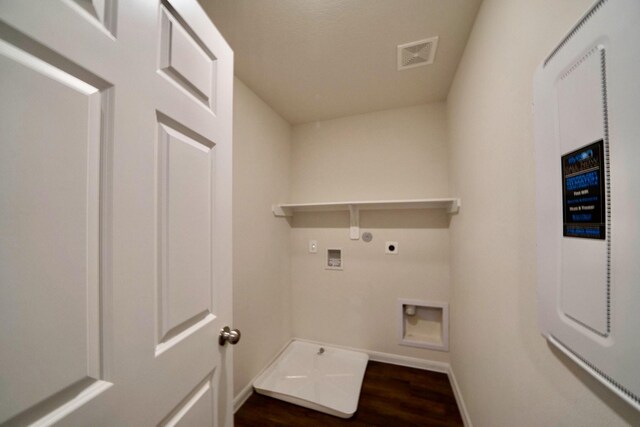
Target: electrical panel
587 132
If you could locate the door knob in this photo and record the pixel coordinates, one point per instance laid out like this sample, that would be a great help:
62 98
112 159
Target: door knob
228 335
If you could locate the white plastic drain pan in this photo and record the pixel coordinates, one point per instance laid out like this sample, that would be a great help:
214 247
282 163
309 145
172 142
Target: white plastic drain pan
322 378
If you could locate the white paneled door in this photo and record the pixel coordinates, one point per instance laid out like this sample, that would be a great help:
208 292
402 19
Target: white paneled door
115 214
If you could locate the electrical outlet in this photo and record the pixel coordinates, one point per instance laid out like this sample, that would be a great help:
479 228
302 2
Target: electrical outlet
391 248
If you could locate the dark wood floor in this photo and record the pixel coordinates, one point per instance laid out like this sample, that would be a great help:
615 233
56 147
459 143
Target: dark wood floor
391 396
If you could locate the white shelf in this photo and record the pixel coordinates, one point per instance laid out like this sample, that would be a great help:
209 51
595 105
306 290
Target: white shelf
450 205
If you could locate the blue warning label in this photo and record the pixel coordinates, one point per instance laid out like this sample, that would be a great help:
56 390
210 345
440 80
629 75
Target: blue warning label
583 194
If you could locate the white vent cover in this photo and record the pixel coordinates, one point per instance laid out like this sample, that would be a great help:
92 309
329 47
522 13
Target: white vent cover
416 54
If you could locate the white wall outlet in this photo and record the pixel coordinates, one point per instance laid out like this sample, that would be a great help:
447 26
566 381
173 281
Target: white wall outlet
391 248
313 246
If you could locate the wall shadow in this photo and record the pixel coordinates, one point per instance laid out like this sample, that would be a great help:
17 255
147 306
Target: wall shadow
375 219
619 406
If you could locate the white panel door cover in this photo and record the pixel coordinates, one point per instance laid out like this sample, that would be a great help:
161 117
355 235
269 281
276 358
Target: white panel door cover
587 131
115 214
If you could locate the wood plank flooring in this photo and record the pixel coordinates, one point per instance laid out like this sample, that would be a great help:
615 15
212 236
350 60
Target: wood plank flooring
391 396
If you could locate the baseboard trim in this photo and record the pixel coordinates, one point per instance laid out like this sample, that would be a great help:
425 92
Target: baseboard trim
242 397
376 356
410 362
393 359
458 395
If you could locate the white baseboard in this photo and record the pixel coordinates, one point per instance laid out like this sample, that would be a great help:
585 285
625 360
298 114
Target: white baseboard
376 356
242 397
410 362
458 394
393 359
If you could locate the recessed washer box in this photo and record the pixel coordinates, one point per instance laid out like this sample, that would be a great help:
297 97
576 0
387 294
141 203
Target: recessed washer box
334 259
423 324
587 143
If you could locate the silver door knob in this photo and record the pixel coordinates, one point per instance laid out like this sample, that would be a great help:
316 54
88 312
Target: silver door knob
228 335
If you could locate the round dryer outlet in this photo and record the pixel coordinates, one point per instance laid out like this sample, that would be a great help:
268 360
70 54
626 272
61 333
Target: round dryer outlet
391 248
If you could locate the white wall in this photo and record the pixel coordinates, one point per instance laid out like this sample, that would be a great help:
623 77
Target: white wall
261 302
507 372
391 154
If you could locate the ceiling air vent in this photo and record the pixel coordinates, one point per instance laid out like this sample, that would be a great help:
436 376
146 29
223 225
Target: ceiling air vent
418 53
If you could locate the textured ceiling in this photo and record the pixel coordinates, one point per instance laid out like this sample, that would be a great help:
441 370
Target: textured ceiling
319 59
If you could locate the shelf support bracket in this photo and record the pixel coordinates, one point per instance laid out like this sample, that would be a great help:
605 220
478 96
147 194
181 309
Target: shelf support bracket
454 207
354 222
280 211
